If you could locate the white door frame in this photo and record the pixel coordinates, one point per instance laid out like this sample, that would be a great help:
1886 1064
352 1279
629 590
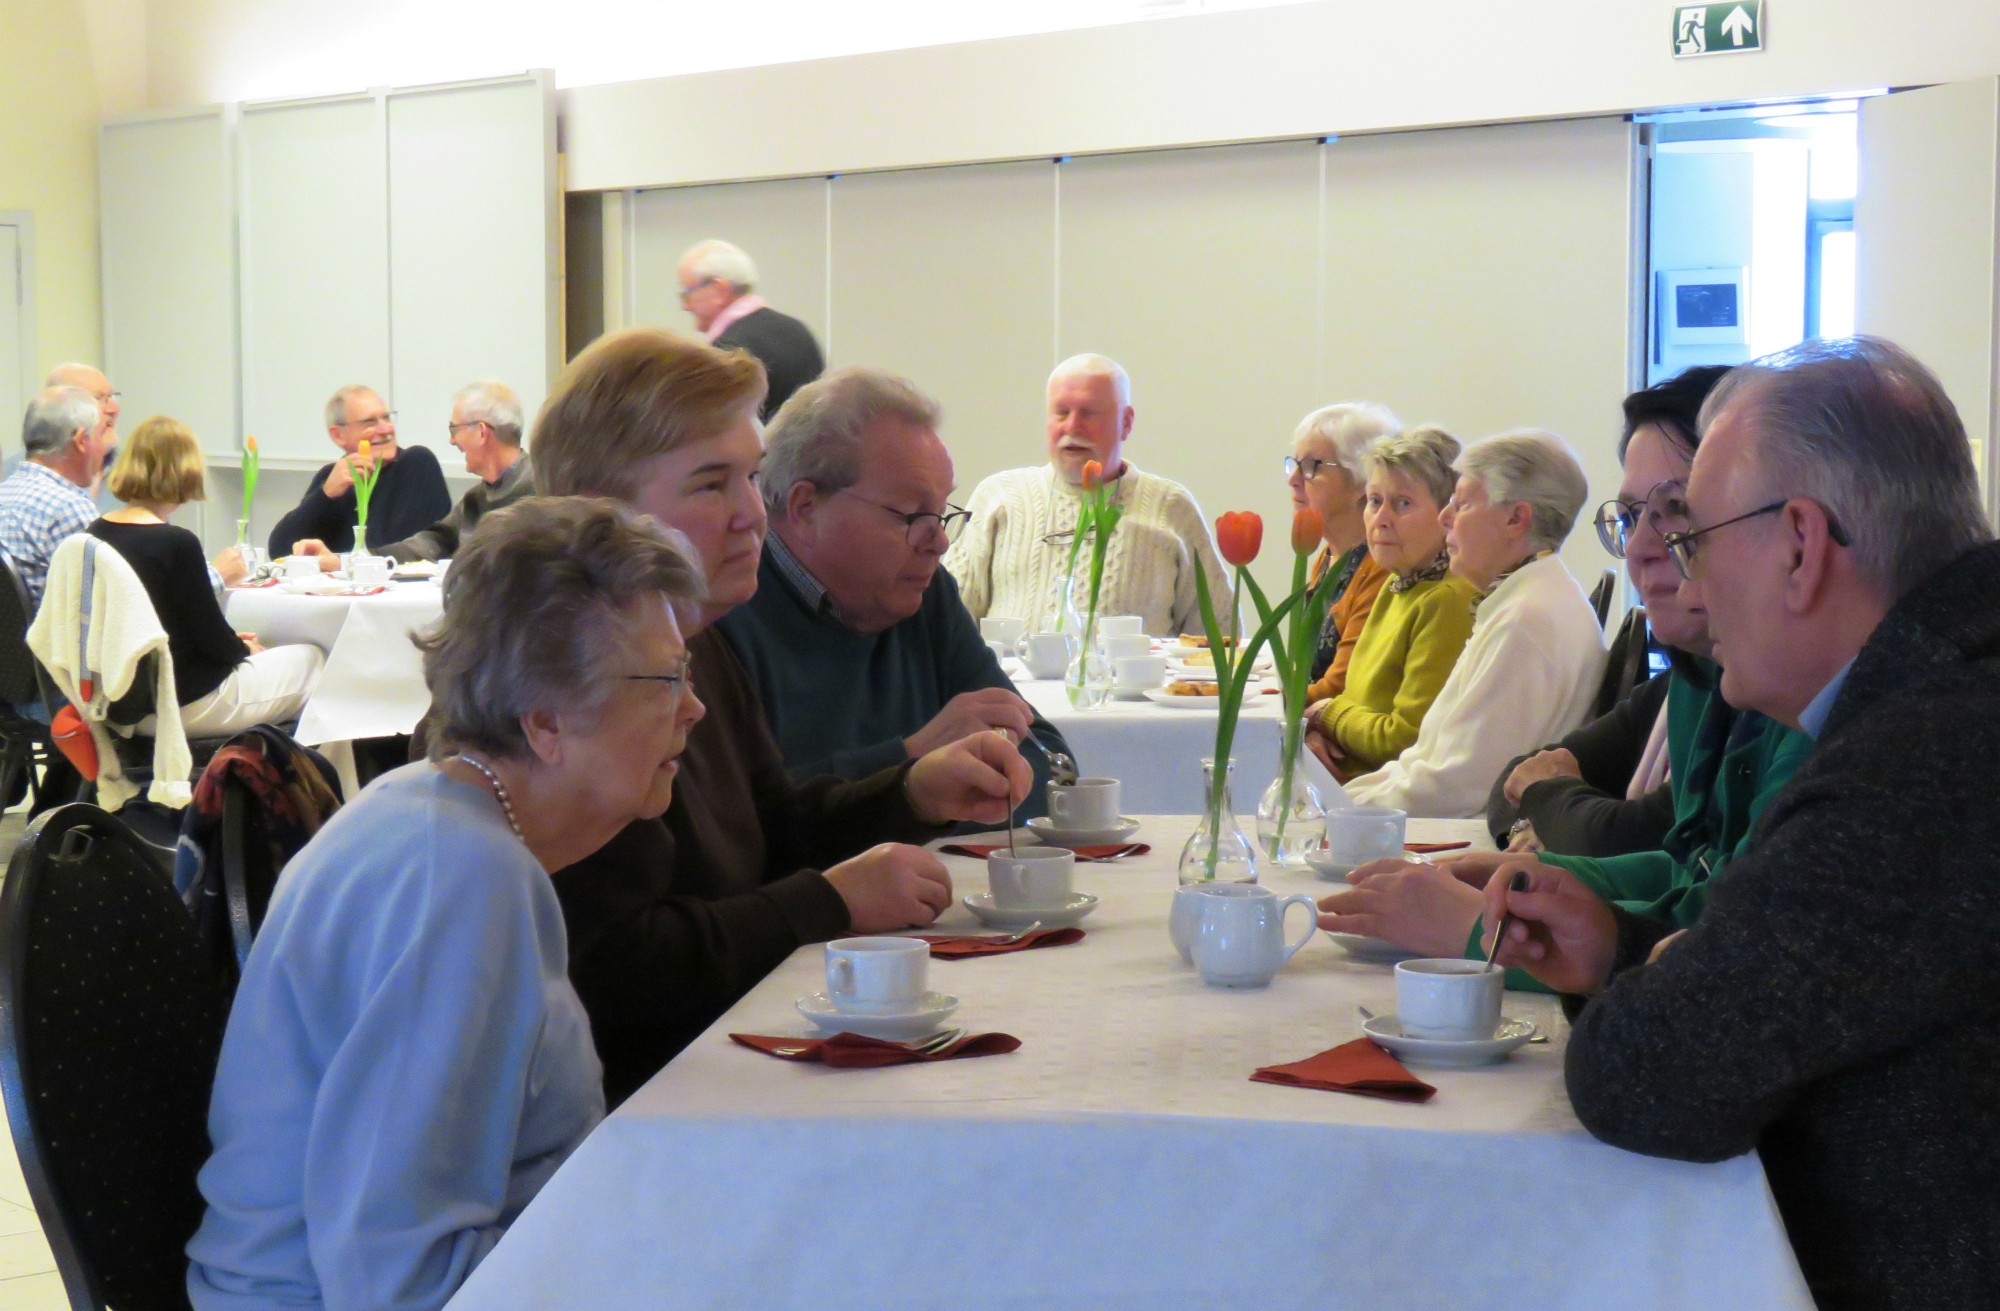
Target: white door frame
23 222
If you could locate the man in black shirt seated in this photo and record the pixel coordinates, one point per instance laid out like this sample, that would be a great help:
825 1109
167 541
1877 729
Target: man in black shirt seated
410 496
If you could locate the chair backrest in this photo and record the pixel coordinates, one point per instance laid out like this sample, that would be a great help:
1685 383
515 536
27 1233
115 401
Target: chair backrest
110 1029
249 873
23 682
1601 595
1626 666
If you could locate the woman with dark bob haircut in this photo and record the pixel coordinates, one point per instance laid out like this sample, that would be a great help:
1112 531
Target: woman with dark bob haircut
406 1062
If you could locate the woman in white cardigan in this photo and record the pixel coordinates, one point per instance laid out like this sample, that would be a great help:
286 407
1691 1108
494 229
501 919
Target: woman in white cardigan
1532 665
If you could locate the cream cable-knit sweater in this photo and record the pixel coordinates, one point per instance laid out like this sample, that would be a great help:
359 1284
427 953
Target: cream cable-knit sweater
1004 567
1527 676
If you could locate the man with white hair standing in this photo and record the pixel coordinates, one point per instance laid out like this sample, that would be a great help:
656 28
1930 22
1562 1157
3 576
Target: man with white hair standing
718 282
1536 654
1011 558
1831 1007
47 499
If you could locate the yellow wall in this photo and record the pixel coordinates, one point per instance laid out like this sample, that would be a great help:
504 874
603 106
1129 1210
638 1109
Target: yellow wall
48 166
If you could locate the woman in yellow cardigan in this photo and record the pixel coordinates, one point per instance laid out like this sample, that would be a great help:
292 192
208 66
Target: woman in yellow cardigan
1418 624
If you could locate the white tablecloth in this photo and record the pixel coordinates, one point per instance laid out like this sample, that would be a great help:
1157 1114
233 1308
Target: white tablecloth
1123 1159
373 683
1157 750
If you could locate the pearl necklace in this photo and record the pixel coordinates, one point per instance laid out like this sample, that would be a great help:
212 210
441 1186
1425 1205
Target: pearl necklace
499 791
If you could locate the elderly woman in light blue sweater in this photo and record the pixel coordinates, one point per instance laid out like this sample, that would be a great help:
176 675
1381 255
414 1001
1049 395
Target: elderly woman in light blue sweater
406 1063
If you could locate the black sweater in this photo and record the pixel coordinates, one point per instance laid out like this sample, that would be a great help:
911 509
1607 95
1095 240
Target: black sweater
1590 815
678 917
1835 1006
169 562
410 497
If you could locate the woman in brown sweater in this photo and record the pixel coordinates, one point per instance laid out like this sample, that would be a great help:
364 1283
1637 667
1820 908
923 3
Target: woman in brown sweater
678 917
1328 472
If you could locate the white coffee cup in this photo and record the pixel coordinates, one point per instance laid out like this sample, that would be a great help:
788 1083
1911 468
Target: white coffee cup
1087 805
1448 999
1185 916
1358 834
1240 940
1121 626
877 976
1003 629
1047 655
1136 673
301 566
370 570
1032 878
1117 646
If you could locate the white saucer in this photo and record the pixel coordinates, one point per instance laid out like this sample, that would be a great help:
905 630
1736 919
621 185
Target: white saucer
1362 947
1129 693
1162 697
1045 831
921 1022
1328 868
982 907
1454 1055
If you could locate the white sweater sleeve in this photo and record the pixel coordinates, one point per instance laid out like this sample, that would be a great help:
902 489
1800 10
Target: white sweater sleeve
970 558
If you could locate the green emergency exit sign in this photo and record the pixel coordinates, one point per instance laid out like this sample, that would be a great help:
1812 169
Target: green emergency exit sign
1734 28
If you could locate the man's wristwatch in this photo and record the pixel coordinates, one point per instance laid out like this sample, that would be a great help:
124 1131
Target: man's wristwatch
1517 828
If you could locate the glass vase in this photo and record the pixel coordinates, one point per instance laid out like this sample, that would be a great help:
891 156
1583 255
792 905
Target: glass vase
1087 681
1290 827
1218 852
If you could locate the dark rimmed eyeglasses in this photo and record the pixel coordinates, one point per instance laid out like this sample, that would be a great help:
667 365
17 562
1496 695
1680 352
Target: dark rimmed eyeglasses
1681 546
1307 468
918 525
692 288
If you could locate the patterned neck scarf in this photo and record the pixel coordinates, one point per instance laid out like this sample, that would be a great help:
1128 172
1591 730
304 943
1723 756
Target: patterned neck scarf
1509 572
1430 573
1344 568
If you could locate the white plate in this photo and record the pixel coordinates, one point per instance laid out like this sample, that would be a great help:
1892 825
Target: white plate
318 585
1162 697
1045 830
1385 1029
1362 947
927 1018
982 908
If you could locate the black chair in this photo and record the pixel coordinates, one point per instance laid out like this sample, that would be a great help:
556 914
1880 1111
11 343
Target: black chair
249 874
1602 594
110 1028
1627 665
25 744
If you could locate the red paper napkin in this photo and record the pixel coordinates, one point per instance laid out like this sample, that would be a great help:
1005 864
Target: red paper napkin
1353 1067
1107 851
960 946
851 1051
1426 848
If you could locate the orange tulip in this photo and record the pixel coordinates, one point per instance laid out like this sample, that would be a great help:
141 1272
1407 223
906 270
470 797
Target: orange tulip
1093 475
364 448
1307 527
251 442
1239 534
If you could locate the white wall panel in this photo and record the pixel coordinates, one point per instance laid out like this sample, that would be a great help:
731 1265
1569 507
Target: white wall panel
782 224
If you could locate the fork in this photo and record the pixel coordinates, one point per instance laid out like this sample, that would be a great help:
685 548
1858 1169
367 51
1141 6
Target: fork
923 1047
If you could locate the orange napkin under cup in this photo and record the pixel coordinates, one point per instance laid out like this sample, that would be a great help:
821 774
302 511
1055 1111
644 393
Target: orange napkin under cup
1358 1067
851 1051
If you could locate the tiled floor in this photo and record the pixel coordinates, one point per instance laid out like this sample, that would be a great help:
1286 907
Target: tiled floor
28 1279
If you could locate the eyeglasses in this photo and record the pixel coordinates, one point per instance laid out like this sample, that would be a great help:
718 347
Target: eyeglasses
1682 545
692 288
677 684
919 525
1308 468
1663 510
473 423
372 421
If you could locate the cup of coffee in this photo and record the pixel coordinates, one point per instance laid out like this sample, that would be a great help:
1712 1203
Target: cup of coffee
1359 834
1448 999
370 570
1117 646
1240 940
1004 629
1047 655
877 976
1087 805
1136 673
1121 626
1185 917
301 566
1033 878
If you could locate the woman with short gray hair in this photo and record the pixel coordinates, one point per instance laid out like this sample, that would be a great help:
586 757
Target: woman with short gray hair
406 1061
1327 471
1532 664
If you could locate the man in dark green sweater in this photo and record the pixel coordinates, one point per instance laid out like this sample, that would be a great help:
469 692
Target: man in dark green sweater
857 643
